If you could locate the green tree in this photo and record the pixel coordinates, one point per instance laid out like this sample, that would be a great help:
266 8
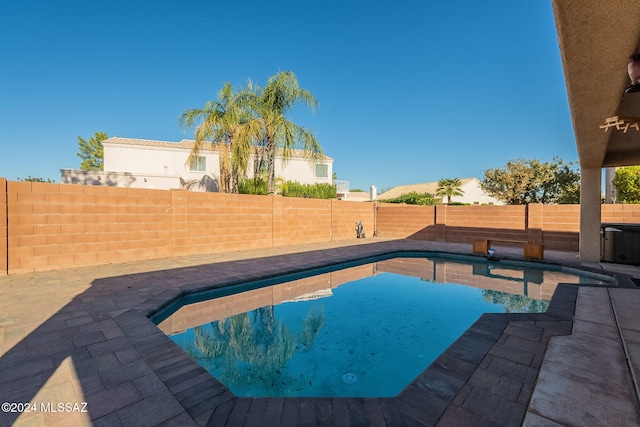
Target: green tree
222 123
251 350
515 303
567 182
627 184
522 182
32 179
92 152
271 130
449 187
415 198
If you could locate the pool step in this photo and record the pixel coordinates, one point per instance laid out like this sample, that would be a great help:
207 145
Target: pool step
593 386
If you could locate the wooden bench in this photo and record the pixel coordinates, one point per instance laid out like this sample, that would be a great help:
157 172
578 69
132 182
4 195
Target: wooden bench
533 250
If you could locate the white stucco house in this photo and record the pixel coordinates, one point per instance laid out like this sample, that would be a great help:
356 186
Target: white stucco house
473 193
143 163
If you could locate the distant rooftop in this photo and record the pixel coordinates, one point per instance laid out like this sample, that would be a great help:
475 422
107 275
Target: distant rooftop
425 187
186 144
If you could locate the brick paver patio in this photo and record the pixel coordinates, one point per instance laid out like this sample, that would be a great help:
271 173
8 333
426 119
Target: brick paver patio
82 335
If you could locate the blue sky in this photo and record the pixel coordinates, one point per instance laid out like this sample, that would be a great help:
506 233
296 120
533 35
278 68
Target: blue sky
408 91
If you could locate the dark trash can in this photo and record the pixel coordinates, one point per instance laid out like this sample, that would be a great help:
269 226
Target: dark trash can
620 243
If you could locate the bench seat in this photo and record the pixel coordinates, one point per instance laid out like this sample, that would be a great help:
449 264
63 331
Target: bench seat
532 250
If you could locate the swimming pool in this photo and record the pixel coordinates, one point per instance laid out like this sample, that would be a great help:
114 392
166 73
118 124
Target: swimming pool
364 331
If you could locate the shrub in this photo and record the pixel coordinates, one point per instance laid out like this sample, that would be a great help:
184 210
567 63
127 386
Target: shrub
311 191
414 198
253 186
288 189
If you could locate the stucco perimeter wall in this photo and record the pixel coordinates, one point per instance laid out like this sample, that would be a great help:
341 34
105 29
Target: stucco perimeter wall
51 226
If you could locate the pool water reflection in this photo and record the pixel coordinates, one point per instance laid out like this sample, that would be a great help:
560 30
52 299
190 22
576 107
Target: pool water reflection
365 331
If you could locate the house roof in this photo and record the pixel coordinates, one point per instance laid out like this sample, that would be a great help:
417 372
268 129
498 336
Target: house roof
425 187
186 144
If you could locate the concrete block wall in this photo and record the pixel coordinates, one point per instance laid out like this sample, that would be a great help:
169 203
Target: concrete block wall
560 227
405 221
47 226
297 221
466 223
461 224
62 225
226 222
621 214
50 226
344 215
3 227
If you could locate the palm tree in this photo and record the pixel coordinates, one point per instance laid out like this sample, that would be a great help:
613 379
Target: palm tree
222 122
252 350
270 128
449 187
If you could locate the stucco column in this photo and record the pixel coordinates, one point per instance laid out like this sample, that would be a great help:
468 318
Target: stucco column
590 217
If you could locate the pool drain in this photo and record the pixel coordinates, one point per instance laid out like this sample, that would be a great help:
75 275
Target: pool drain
349 378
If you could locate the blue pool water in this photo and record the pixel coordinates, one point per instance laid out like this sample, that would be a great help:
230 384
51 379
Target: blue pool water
368 337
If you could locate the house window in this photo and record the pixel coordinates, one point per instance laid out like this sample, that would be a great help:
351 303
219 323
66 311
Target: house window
198 164
322 171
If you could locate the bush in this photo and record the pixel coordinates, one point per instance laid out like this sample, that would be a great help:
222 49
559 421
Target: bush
260 186
311 191
253 186
414 198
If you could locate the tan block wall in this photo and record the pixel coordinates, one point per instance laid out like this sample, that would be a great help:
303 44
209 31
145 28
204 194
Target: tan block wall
58 225
344 215
298 221
3 226
561 227
466 223
557 226
226 222
406 221
460 224
52 226
621 214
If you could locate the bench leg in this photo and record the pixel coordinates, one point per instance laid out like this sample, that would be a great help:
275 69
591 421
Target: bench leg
534 250
480 246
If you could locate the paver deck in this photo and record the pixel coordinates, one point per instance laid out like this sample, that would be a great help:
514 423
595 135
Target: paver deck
82 335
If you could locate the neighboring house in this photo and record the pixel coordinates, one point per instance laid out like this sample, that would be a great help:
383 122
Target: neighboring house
141 163
359 196
473 193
